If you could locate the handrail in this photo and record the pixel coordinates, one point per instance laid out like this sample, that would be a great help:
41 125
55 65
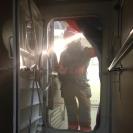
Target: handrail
127 46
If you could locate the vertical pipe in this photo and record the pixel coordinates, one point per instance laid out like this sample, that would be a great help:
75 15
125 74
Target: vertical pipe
15 67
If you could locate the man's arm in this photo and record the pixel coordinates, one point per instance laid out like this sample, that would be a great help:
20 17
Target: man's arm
61 68
89 52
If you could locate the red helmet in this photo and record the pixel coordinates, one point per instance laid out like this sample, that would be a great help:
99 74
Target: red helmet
69 32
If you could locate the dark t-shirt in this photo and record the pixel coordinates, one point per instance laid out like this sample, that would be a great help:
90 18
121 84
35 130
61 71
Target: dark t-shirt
74 60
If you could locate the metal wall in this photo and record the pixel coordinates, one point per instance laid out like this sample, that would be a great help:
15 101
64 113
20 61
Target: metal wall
122 81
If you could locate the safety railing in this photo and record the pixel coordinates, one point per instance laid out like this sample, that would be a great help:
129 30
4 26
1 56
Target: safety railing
124 50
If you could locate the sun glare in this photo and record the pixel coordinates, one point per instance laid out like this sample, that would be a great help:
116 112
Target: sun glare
60 43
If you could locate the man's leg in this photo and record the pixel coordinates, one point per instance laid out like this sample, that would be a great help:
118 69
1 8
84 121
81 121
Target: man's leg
84 111
71 106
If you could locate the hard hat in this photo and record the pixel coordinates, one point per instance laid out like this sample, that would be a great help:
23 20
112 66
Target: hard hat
69 32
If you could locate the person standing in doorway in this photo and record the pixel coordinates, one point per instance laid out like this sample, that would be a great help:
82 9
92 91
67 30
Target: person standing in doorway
75 89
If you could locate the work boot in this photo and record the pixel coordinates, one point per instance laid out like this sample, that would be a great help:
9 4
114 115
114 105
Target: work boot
85 129
73 125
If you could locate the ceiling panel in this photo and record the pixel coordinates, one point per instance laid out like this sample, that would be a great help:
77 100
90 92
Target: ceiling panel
40 2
